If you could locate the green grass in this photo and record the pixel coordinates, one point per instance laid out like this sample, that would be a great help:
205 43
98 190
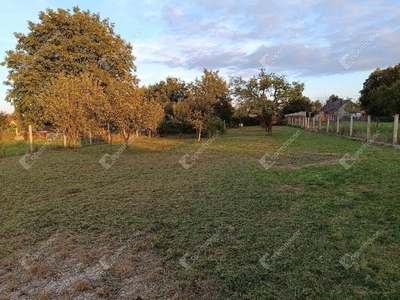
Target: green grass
14 148
360 129
225 212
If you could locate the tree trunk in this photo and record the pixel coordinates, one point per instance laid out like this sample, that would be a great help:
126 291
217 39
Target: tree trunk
268 124
270 128
75 143
126 138
199 134
149 133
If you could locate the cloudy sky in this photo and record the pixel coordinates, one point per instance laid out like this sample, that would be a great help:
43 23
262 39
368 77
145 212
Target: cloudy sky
332 46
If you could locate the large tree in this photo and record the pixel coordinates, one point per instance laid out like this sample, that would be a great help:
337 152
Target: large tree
63 43
263 94
380 95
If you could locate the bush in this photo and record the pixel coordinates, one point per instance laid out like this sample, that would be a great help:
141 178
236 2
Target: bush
7 136
247 121
213 125
173 127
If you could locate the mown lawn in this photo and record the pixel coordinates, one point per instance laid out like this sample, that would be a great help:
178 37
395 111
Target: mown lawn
225 228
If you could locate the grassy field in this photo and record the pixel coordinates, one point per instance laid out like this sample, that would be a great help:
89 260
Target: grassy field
300 226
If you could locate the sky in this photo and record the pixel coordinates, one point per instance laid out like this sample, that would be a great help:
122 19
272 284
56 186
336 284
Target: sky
332 46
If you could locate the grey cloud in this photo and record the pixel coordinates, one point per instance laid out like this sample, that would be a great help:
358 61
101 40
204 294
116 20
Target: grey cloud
330 29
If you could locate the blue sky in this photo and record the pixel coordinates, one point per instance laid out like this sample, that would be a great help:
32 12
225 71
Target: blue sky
332 46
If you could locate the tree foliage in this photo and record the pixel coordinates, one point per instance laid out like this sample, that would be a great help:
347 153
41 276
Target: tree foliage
123 107
202 95
264 94
70 103
296 101
3 121
63 43
380 95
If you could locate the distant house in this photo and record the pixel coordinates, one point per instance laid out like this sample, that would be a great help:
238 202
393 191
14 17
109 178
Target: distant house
10 120
331 110
296 119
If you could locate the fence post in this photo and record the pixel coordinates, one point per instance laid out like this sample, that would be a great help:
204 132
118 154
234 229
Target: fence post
30 137
351 124
337 124
327 124
395 129
369 128
304 122
90 138
313 123
319 123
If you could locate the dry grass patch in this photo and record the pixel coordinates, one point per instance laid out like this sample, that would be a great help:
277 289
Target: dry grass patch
46 296
83 286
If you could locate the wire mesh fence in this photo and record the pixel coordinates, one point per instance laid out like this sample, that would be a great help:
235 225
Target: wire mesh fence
380 128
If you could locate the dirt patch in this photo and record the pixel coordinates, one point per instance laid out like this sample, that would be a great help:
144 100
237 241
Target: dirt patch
68 270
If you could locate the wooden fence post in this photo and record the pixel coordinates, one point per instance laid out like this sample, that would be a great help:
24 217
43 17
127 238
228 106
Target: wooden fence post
369 128
337 124
395 129
313 123
351 124
319 123
327 124
30 137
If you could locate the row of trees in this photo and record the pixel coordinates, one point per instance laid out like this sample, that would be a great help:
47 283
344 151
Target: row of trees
203 104
73 71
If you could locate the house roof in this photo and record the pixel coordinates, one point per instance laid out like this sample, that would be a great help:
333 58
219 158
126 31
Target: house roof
8 118
296 114
333 106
